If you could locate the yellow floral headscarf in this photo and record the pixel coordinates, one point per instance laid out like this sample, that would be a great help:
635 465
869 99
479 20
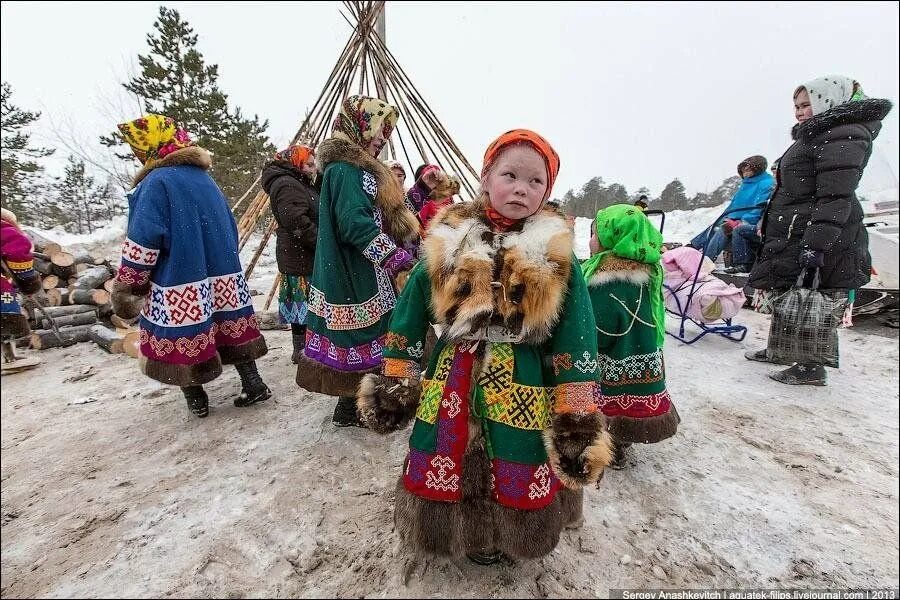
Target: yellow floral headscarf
153 137
361 117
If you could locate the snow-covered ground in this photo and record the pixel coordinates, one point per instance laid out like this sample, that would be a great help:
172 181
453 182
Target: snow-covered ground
111 488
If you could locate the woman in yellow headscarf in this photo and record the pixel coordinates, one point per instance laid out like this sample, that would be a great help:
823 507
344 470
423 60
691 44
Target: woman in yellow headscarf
364 226
180 269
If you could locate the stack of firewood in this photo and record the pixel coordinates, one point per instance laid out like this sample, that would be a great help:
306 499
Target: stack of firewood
77 287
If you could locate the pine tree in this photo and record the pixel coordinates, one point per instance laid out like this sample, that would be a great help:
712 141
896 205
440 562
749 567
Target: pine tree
175 81
672 197
20 172
110 200
78 206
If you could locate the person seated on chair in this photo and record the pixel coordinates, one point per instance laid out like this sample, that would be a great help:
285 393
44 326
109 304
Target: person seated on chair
743 210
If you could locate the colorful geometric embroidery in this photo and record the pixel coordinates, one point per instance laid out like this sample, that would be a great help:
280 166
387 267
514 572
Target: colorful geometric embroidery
379 249
133 277
586 364
141 255
355 358
194 303
444 362
187 349
637 406
638 368
342 317
20 266
562 362
524 407
395 341
497 378
526 487
430 401
369 184
577 397
397 367
398 261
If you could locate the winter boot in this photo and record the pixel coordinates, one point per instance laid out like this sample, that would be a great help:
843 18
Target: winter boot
345 414
737 269
763 356
197 400
298 339
485 557
253 389
802 374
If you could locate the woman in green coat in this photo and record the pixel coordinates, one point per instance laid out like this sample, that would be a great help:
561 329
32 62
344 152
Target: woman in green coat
364 225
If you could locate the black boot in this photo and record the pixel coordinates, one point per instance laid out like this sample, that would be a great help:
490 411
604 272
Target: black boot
485 557
345 414
802 374
298 339
197 400
762 356
740 268
253 389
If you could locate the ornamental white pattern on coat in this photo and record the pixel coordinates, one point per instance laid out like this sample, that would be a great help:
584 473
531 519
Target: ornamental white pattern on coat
632 367
194 303
139 255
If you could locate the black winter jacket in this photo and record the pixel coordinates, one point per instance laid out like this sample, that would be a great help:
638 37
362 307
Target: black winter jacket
295 204
814 205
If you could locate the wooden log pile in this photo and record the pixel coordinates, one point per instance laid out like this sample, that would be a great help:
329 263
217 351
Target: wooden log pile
77 290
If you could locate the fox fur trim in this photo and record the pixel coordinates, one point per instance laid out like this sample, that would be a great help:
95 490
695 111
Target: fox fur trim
615 268
517 279
192 155
578 448
399 221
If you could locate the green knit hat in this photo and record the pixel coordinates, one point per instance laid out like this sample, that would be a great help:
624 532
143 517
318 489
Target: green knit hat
625 231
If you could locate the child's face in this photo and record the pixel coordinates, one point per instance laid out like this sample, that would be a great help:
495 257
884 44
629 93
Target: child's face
594 244
517 182
309 167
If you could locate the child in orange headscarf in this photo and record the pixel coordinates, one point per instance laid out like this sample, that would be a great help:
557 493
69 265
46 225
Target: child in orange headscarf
507 427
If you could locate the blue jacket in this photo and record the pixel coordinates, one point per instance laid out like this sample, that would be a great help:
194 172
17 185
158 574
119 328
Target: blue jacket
754 191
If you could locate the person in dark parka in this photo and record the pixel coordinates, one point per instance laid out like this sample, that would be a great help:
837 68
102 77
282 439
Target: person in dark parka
814 221
289 182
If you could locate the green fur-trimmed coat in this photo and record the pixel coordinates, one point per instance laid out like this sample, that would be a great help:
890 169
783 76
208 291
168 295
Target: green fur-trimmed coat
633 394
495 417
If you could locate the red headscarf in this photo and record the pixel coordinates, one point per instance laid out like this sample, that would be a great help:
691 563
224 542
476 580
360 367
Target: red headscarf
517 136
296 155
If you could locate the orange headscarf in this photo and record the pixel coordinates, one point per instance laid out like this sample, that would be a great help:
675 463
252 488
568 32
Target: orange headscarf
516 136
296 155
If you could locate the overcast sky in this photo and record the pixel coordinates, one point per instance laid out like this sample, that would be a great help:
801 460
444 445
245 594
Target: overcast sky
637 93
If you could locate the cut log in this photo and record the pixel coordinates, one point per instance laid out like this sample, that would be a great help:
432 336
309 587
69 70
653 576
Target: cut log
95 297
50 282
108 285
104 310
65 311
71 281
83 257
64 296
42 266
107 339
42 339
121 323
42 244
62 264
92 278
132 344
81 267
82 318
54 298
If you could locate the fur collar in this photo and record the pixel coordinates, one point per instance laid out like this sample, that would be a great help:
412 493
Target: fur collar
614 268
192 155
517 279
399 221
861 111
